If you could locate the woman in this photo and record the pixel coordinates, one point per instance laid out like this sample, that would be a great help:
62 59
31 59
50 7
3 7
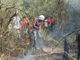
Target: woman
37 29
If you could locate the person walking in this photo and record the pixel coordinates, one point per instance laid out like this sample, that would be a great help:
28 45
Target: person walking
37 29
20 24
49 22
16 20
52 23
31 31
46 23
25 24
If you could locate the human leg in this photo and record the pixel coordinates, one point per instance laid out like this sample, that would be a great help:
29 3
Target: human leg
26 38
39 38
19 36
35 38
52 26
26 35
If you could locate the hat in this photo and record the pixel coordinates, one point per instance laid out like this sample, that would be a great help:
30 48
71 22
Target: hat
41 17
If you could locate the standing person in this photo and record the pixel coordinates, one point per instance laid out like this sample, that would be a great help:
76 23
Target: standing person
78 44
52 23
25 24
20 24
46 23
49 22
31 31
27 20
31 23
37 29
16 20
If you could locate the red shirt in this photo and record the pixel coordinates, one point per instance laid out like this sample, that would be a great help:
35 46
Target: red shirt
49 20
52 20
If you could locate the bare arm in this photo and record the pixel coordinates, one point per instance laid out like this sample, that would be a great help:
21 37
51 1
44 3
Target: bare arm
30 26
35 25
40 29
25 25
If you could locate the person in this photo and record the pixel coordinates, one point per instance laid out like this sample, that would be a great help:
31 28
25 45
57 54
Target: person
46 23
20 24
37 29
31 24
27 20
16 20
31 31
25 24
78 44
52 23
49 22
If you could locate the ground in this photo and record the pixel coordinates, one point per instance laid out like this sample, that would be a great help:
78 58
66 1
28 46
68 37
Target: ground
51 49
48 52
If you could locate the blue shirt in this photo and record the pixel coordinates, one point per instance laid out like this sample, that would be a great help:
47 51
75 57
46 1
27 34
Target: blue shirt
37 24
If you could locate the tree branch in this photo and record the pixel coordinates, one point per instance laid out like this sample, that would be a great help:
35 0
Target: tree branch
9 8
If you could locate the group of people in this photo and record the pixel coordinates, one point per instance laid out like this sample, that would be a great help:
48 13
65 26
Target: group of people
33 24
49 23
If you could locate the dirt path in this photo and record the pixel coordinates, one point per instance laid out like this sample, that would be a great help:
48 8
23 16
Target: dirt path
48 52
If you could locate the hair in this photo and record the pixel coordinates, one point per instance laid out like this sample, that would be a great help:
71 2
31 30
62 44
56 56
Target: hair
32 18
46 17
24 17
51 17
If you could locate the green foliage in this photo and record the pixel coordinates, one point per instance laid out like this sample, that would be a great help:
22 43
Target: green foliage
46 7
72 39
54 8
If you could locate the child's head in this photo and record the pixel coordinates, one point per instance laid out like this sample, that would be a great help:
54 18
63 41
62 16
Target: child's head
49 17
27 18
32 19
46 17
24 18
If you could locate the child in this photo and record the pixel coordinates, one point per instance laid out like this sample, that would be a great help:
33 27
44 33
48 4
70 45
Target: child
31 32
25 24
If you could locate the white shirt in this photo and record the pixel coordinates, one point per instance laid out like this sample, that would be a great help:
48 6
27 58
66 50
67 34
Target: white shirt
16 20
